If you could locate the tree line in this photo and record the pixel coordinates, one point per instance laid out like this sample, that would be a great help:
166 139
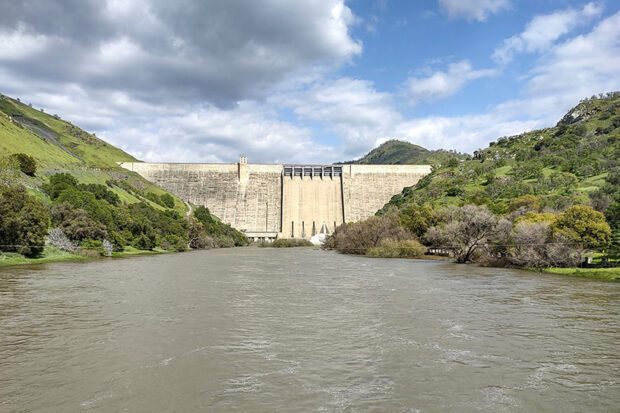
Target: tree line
525 237
73 216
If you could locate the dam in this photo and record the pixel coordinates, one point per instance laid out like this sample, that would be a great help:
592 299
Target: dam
268 201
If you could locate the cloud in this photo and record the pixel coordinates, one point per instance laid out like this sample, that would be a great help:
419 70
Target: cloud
206 81
582 66
218 52
351 108
542 31
478 10
442 84
211 134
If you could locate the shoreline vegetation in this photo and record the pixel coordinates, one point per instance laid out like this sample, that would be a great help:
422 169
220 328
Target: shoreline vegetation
53 255
546 200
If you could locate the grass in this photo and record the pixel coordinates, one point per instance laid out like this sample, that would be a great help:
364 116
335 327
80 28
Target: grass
67 148
129 251
285 243
612 274
50 254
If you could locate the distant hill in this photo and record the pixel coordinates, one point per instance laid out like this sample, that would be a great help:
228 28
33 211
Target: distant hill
575 161
59 146
397 152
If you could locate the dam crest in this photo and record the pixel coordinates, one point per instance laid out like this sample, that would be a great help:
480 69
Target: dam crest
268 201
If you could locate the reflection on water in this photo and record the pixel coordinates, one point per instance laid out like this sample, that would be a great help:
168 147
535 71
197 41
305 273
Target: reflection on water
304 330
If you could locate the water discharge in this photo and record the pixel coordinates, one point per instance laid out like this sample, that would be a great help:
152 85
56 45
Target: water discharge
296 330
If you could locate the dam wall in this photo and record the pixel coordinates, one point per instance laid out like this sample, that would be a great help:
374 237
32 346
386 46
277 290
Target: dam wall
285 201
367 188
248 197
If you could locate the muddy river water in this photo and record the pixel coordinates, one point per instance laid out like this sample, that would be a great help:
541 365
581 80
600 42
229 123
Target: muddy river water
299 330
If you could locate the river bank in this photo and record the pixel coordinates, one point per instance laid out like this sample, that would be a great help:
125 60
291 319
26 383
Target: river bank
52 254
611 274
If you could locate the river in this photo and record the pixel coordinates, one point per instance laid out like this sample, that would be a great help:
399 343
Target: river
298 330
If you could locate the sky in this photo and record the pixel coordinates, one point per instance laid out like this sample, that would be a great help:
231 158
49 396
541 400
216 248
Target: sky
306 81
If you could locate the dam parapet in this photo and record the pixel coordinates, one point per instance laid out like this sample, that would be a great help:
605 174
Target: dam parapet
266 201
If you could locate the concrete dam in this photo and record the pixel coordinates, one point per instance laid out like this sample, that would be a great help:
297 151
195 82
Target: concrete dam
283 201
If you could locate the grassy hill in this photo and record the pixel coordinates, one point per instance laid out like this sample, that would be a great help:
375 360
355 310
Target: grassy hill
563 165
59 146
396 152
63 196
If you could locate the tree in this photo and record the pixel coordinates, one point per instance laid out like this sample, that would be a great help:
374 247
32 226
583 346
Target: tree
530 244
527 203
583 225
167 200
27 164
463 231
359 237
76 224
23 222
418 218
58 183
101 192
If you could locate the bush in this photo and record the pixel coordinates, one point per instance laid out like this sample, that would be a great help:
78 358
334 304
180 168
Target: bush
101 192
167 200
584 226
173 243
144 242
27 163
389 248
24 221
58 239
463 231
76 224
58 183
287 243
358 237
91 247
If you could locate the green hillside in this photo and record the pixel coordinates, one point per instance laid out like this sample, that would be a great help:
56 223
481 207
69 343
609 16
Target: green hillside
59 146
63 196
396 152
571 163
545 199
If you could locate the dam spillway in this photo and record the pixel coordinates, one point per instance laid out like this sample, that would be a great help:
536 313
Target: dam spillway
267 201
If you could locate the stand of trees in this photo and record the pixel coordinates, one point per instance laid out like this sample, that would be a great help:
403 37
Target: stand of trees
92 217
526 237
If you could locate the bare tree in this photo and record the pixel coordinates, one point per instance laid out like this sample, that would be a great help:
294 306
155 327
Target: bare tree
464 231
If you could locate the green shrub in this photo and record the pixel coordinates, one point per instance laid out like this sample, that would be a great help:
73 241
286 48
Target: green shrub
358 237
27 163
167 200
24 221
389 248
91 247
289 243
144 242
173 243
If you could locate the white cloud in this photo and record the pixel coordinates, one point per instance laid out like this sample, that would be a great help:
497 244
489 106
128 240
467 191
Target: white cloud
582 66
18 44
275 103
442 84
186 50
473 9
351 108
542 31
